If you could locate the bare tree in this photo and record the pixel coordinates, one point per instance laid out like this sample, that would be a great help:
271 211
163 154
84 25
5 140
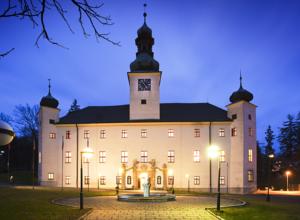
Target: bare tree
26 120
7 118
36 11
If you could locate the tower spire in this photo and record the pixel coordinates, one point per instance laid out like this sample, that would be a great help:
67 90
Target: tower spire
49 86
145 13
241 78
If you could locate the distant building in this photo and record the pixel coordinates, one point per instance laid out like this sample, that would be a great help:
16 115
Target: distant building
166 142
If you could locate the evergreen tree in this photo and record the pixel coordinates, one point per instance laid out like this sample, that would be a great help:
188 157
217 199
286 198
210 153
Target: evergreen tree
288 143
270 141
261 177
74 106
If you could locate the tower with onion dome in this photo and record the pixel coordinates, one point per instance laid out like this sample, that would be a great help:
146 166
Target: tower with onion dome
243 140
48 116
144 78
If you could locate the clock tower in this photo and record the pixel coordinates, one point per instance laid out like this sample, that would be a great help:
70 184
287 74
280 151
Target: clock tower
144 78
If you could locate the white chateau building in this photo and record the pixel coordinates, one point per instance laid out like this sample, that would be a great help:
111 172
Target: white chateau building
165 142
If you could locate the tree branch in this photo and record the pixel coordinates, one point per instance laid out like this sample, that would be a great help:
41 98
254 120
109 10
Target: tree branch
6 53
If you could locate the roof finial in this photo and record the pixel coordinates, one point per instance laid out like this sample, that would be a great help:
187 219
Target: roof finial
241 79
145 14
49 86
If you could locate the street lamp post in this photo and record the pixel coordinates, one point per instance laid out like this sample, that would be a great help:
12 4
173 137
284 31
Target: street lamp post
270 156
86 153
287 173
214 152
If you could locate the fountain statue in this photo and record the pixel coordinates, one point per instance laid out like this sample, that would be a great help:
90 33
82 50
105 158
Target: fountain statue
146 187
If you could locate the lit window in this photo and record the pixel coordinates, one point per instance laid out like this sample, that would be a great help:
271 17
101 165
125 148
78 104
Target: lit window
68 180
86 134
68 134
128 180
86 180
52 135
221 132
118 180
102 156
102 180
143 133
171 156
171 133
250 155
250 176
234 117
222 156
124 157
197 132
50 176
250 117
250 130
196 155
68 157
233 132
124 134
170 180
144 156
158 180
196 180
222 180
102 134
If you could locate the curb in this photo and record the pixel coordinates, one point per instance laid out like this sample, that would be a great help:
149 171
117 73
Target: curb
213 214
85 214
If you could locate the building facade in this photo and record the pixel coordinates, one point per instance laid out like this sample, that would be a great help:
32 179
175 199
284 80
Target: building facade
166 143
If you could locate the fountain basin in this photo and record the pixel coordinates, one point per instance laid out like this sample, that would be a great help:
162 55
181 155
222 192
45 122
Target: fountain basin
153 197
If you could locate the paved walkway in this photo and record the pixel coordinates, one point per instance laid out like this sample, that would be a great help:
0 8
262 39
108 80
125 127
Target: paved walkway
185 207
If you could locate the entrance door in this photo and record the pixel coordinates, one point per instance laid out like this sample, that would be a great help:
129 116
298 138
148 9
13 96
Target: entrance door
143 180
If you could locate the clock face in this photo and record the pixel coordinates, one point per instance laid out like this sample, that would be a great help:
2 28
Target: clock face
144 85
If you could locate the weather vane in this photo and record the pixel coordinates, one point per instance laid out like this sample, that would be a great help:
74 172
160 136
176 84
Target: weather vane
145 14
49 85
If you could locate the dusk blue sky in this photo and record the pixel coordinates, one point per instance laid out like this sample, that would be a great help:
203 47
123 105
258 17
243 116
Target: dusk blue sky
201 47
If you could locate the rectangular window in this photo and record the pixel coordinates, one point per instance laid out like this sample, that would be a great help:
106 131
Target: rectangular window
250 117
158 180
170 180
102 134
68 180
129 180
86 180
196 180
68 157
50 176
68 134
102 156
124 157
124 134
171 156
102 180
196 155
234 116
51 121
171 133
233 132
221 132
86 134
144 156
143 133
197 132
222 156
250 155
250 130
52 135
222 180
250 176
118 180
143 101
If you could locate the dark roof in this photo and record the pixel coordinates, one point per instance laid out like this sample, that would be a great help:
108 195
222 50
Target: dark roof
169 112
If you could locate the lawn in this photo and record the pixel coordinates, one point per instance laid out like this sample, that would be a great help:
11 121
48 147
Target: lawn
258 208
25 203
